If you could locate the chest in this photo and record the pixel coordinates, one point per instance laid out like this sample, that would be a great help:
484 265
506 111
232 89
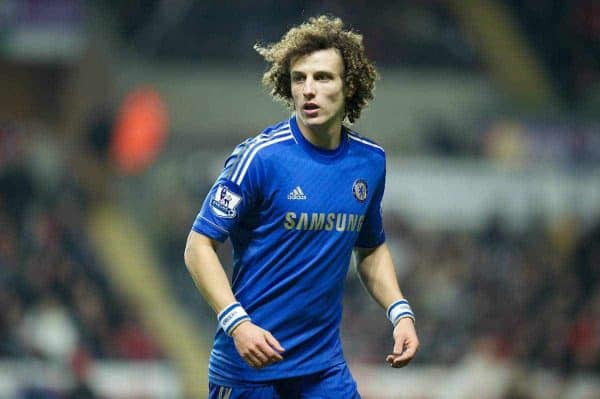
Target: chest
321 189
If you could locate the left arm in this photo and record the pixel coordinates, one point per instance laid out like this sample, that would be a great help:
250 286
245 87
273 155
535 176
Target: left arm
377 272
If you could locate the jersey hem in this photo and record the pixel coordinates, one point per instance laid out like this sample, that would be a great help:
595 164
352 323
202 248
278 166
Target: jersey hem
270 377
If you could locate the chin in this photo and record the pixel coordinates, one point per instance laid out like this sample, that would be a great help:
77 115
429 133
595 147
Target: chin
313 122
317 121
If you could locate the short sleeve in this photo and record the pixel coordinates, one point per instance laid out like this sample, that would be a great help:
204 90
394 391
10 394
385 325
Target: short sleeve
232 195
372 233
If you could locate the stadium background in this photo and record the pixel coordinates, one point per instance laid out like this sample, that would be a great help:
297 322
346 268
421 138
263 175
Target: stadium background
115 117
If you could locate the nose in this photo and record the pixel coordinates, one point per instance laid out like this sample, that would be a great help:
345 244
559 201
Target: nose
308 90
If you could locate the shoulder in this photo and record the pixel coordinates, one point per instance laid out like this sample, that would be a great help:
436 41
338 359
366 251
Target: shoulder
359 141
248 152
273 137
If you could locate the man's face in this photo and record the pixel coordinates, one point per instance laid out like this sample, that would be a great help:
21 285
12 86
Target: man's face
318 89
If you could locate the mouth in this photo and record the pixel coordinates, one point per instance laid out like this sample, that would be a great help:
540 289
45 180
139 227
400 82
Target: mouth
310 109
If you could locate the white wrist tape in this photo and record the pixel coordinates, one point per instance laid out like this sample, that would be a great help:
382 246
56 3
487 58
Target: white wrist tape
231 316
399 310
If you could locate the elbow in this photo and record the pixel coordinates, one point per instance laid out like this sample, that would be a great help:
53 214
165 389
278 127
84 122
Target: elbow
196 248
189 253
364 253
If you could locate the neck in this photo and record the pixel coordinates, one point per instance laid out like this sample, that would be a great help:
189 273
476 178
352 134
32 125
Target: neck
326 137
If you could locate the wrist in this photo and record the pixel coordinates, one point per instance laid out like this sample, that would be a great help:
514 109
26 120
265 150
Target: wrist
399 310
231 317
235 329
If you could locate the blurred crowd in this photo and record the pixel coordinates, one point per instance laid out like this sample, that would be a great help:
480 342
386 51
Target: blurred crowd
57 303
531 296
564 144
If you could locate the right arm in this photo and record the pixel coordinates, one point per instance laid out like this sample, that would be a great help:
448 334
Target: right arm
256 345
207 272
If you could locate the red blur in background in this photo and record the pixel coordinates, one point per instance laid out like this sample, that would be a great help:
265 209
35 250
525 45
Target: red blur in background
140 131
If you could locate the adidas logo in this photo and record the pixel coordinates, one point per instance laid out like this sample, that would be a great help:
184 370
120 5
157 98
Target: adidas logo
297 194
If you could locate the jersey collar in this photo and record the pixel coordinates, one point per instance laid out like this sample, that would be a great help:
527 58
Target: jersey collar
317 152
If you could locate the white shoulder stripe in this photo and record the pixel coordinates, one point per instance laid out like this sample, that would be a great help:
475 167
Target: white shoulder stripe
257 142
279 129
238 180
366 142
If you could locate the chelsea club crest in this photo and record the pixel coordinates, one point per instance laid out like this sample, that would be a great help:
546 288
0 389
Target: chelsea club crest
360 190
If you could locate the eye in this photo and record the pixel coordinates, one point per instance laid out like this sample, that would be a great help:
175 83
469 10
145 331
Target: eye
323 77
297 78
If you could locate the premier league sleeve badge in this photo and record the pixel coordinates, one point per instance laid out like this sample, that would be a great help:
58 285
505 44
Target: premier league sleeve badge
225 202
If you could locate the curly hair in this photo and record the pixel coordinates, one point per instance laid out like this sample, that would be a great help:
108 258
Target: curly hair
321 33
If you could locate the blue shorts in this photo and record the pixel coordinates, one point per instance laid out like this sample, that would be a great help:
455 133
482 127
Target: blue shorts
335 382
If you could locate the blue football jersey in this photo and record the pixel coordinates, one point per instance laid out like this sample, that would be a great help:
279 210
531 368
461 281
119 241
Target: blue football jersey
293 212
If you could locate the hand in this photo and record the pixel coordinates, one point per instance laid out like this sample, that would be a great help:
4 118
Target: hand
406 343
256 346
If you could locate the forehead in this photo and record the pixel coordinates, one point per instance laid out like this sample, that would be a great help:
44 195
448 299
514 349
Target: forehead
321 60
